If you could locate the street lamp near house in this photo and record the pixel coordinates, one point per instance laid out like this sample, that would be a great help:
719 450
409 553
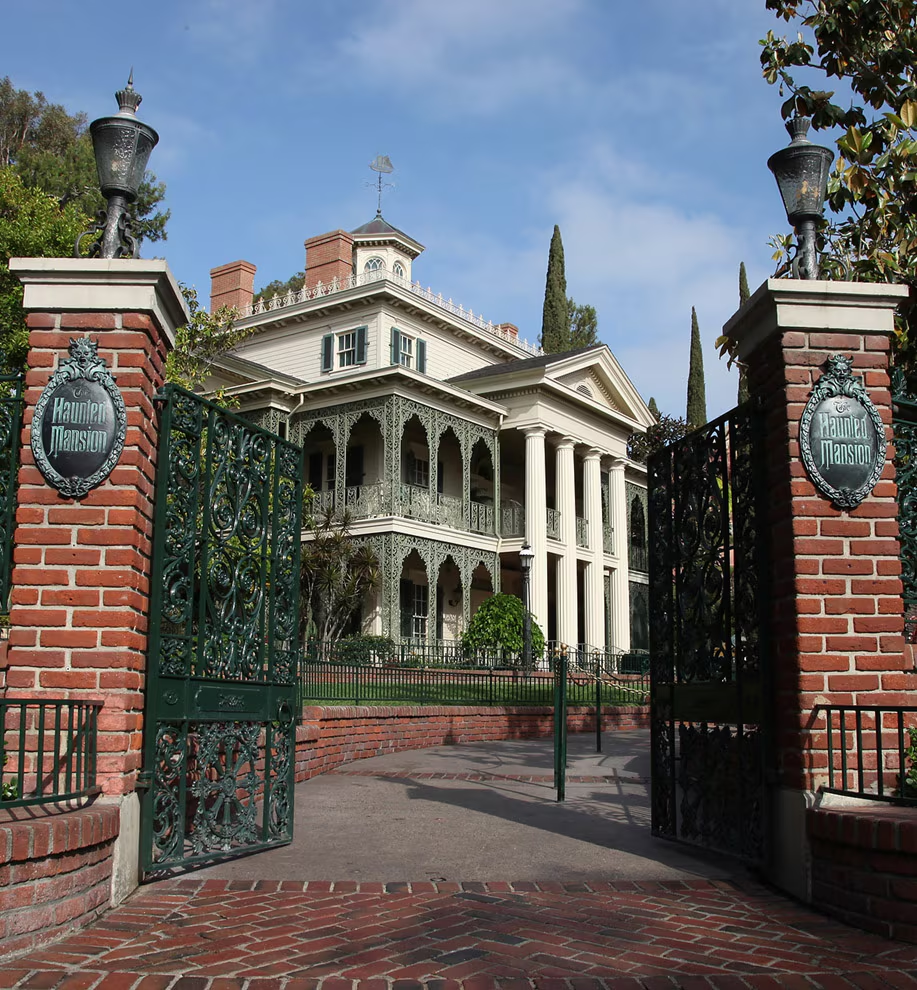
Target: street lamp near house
801 171
122 146
526 555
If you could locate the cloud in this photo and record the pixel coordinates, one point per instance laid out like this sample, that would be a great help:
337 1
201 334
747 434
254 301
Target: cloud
478 55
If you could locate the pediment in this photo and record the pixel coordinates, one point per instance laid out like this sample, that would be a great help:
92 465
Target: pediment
596 374
588 383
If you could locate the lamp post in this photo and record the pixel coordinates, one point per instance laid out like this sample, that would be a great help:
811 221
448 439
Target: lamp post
526 555
122 146
801 171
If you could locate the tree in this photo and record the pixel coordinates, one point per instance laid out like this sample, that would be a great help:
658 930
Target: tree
667 430
497 626
555 320
870 45
51 150
337 573
743 393
696 413
584 325
277 288
653 408
32 225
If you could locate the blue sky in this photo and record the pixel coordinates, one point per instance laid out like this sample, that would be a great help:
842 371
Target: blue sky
641 128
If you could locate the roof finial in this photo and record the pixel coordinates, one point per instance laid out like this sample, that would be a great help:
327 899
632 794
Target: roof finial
382 165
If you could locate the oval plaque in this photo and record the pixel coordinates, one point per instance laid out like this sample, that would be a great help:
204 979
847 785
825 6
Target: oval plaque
841 436
80 422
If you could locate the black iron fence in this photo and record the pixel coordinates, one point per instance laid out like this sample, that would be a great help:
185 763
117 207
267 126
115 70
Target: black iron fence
47 750
872 751
10 422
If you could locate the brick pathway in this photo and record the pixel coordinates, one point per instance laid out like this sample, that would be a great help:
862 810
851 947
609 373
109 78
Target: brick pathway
194 934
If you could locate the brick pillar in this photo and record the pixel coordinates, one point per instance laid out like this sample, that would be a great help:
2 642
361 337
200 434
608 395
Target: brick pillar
835 593
80 600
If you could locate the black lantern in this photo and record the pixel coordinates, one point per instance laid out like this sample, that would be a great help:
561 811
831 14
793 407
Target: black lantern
122 146
526 555
801 171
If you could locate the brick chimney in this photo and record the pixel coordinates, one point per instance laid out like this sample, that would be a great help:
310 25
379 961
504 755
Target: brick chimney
232 285
509 328
328 256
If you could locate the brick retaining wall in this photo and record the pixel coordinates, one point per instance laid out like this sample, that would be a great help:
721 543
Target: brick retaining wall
330 737
864 867
55 872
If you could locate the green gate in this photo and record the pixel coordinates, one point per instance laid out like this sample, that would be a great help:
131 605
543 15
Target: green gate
221 689
709 664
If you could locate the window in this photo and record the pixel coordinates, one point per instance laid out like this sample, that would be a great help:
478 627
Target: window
414 599
398 269
375 264
416 470
408 351
348 345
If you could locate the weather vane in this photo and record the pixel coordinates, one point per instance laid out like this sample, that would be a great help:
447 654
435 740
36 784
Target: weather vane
382 165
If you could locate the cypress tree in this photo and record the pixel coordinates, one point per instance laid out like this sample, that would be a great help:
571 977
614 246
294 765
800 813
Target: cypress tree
653 408
696 413
743 394
555 321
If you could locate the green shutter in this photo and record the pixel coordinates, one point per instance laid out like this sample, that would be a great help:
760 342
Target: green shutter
422 356
328 352
361 345
396 346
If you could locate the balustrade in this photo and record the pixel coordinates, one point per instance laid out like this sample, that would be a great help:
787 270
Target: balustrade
512 520
480 517
582 532
608 538
554 524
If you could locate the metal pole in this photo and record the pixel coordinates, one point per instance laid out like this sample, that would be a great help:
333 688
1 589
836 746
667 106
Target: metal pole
527 663
598 703
560 724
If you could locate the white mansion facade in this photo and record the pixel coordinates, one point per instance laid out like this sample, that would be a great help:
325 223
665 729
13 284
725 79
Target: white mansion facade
451 442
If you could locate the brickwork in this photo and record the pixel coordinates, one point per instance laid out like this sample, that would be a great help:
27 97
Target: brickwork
330 737
55 874
81 569
328 256
864 867
232 285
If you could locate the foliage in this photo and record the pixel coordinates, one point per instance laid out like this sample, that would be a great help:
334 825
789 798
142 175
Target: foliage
555 321
667 430
497 624
870 45
743 393
200 342
584 325
908 786
51 150
696 413
277 288
32 225
654 409
337 573
10 790
364 650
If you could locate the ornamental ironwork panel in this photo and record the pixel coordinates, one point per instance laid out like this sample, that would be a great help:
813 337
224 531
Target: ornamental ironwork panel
223 655
10 428
708 665
904 422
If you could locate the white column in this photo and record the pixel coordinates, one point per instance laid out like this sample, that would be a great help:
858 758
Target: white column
566 566
595 599
536 522
620 587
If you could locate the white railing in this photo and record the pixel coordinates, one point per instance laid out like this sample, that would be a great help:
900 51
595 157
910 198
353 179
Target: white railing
296 298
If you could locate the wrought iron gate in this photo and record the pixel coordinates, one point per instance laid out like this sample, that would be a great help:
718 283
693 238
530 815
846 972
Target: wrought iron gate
221 687
708 660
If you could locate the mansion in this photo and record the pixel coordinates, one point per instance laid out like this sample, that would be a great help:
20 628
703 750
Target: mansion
451 442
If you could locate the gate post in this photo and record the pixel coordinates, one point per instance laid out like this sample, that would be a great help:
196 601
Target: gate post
81 583
836 613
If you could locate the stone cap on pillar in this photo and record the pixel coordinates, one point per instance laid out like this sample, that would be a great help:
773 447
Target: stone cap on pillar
783 304
97 285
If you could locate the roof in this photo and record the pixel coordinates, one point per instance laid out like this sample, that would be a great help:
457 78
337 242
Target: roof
379 229
522 364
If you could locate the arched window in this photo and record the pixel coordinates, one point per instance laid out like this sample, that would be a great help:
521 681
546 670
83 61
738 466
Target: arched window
398 269
374 265
637 556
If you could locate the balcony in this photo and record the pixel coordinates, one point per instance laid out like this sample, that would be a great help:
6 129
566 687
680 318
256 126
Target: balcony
608 538
582 532
554 524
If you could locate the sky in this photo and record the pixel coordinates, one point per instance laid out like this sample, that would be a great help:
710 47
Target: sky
641 128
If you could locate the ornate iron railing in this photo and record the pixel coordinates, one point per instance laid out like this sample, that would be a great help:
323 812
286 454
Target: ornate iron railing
47 750
872 751
582 532
554 523
512 520
608 538
297 298
10 426
480 517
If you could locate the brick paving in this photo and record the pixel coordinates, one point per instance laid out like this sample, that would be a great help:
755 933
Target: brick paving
195 934
484 775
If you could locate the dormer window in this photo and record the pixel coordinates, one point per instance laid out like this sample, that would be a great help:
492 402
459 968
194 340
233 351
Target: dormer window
398 269
374 264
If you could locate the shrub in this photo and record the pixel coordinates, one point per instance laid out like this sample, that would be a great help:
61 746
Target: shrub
497 625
